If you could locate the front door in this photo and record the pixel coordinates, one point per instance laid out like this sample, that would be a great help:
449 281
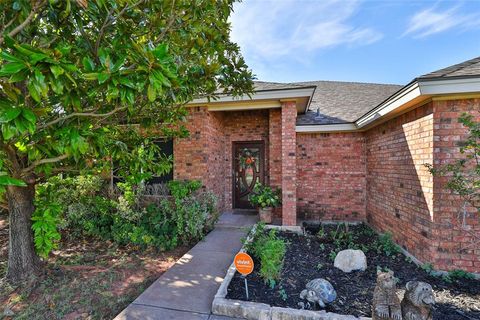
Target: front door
248 169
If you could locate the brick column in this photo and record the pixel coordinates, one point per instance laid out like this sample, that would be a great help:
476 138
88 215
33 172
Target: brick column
289 164
275 153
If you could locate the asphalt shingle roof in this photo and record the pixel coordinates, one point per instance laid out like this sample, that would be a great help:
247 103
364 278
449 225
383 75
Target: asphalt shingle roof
469 68
337 102
345 102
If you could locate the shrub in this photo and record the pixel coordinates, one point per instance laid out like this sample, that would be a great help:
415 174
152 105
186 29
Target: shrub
80 205
45 219
386 244
265 197
270 250
342 237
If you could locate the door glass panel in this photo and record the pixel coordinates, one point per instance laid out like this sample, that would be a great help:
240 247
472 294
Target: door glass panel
249 175
248 170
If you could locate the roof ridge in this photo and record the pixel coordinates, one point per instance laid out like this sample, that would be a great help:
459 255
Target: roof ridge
333 81
463 65
449 70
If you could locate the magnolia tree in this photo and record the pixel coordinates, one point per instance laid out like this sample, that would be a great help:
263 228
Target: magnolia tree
76 75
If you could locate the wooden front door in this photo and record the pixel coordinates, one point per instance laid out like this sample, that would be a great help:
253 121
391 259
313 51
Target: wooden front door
248 169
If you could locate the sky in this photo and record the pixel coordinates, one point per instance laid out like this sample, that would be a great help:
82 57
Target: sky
353 40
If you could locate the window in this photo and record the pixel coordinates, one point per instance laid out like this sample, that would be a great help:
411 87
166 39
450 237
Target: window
166 145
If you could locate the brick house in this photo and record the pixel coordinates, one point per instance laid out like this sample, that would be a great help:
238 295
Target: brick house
345 151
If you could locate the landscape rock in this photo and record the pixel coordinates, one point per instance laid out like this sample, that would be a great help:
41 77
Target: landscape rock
351 260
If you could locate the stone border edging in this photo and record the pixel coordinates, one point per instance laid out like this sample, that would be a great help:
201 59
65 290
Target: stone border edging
261 311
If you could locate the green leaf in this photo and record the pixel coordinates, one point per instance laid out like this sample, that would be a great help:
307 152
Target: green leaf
9 114
56 70
126 82
151 93
160 52
21 124
8 181
12 68
29 115
10 58
90 76
37 57
19 76
88 64
8 131
32 89
102 77
161 78
57 86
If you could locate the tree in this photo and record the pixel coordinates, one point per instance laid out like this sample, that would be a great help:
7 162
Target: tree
464 174
76 76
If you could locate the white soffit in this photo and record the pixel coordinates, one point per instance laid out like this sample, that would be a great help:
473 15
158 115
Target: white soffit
244 106
341 127
450 86
280 94
265 99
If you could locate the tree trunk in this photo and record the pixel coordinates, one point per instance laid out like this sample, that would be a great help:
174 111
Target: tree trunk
23 262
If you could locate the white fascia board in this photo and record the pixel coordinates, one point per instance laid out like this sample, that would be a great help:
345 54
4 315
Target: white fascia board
326 128
244 106
280 94
421 88
449 86
404 96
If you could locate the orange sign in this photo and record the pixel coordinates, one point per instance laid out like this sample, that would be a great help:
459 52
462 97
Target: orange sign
243 263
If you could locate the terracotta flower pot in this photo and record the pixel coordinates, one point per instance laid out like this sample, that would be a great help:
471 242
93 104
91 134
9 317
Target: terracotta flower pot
265 214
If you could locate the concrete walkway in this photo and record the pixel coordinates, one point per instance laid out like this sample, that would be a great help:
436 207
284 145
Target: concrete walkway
187 289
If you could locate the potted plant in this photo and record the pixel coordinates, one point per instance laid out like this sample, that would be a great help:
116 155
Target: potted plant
265 199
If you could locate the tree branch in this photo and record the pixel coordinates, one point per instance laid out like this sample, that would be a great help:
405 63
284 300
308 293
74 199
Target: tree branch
109 20
81 114
43 161
169 24
36 7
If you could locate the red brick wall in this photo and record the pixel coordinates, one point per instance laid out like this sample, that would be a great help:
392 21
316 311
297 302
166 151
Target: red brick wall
289 165
206 155
457 244
399 187
200 156
191 153
275 152
215 142
242 126
378 175
331 175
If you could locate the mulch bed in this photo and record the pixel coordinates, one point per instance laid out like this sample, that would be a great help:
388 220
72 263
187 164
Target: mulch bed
307 258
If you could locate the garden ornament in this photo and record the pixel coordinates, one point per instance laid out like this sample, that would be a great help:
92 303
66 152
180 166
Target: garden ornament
319 291
418 301
385 304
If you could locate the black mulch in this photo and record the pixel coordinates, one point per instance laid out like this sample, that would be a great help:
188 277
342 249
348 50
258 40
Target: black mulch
307 258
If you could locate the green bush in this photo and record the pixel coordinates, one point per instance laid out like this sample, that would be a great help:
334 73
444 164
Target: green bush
265 197
458 274
270 250
81 206
386 244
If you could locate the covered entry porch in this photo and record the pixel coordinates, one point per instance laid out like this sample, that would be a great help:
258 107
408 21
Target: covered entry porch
226 133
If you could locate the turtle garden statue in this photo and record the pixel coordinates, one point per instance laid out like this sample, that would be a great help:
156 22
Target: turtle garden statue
319 291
